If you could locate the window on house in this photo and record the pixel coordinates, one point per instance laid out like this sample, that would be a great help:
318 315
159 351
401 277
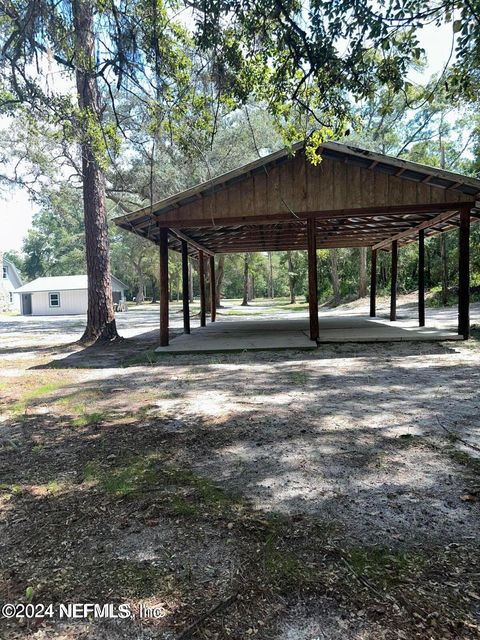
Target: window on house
54 299
5 271
10 296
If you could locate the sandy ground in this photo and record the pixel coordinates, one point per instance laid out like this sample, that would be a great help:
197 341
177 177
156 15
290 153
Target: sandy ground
329 494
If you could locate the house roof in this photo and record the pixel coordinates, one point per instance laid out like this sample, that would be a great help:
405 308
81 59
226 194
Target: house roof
358 198
16 280
59 283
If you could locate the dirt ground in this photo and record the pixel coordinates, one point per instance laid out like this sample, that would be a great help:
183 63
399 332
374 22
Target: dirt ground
283 496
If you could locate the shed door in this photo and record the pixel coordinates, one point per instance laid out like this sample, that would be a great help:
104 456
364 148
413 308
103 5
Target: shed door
27 304
117 296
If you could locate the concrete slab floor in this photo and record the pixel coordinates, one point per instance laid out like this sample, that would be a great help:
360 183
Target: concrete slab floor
293 333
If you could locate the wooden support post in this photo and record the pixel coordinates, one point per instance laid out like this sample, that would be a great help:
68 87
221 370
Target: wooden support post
373 284
393 287
201 277
312 279
421 278
163 241
213 296
185 291
464 275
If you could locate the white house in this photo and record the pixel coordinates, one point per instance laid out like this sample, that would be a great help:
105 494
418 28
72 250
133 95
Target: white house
61 295
9 282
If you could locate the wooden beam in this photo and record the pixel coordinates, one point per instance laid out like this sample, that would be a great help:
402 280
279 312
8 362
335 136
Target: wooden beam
201 277
312 279
213 306
442 217
464 275
163 243
327 214
393 284
183 236
339 225
185 293
292 239
273 245
373 284
421 278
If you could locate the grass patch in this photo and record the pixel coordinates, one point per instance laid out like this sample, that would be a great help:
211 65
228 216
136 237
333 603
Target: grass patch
182 490
125 578
298 378
383 566
78 398
147 357
181 506
407 440
283 567
79 403
296 306
289 562
434 298
171 395
464 458
21 406
475 332
13 489
42 390
249 311
54 487
87 419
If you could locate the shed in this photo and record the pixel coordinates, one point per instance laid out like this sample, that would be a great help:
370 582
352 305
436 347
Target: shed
61 295
352 198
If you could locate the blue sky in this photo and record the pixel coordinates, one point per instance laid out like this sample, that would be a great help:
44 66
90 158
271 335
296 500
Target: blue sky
17 210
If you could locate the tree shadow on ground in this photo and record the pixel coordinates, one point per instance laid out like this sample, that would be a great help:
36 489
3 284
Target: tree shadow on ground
274 480
141 351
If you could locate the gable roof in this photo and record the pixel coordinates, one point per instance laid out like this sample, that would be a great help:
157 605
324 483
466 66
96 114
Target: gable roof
59 283
357 156
12 270
358 198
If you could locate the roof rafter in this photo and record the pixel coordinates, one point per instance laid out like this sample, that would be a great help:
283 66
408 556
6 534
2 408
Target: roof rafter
183 236
442 217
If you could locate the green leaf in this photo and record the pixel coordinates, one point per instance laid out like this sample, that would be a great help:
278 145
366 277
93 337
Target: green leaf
457 26
29 594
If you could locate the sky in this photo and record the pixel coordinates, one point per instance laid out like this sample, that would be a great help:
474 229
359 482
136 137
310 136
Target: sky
16 209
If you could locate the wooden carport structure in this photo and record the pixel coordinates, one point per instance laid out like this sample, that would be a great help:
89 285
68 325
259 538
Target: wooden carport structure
282 202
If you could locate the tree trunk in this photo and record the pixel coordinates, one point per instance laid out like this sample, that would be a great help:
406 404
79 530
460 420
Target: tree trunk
362 280
100 315
270 275
245 280
428 268
140 296
251 287
291 278
334 274
444 259
220 271
153 282
190 280
207 289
